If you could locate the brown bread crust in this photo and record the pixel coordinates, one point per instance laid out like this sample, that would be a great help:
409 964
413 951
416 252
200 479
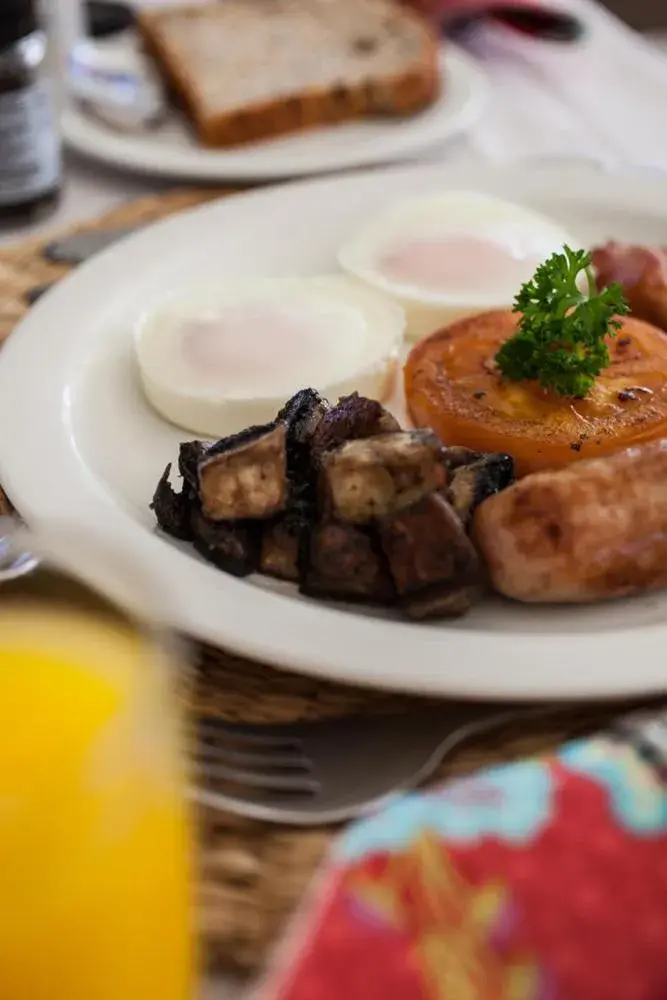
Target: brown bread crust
398 95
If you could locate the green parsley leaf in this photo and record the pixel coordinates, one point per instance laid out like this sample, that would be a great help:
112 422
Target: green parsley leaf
560 341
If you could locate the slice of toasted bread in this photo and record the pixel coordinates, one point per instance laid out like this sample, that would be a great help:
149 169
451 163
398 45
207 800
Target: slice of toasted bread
250 69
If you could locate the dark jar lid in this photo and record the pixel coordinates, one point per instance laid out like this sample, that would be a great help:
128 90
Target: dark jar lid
18 18
106 17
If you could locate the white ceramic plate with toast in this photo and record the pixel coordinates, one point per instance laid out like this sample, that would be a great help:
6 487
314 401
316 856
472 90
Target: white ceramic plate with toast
172 151
80 444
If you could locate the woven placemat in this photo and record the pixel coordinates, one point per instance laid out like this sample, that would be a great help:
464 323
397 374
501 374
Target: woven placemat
252 874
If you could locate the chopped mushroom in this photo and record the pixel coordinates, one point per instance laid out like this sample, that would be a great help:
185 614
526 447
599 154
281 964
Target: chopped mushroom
190 455
339 500
282 543
170 509
429 554
232 546
454 456
345 562
470 484
439 601
377 476
302 415
245 476
353 417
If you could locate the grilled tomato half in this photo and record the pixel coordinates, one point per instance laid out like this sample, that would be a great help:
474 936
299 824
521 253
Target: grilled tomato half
453 385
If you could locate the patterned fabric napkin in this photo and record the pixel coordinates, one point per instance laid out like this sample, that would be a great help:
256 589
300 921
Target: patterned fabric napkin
541 880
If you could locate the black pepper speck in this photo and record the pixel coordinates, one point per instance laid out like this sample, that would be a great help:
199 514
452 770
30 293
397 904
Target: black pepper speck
364 45
576 446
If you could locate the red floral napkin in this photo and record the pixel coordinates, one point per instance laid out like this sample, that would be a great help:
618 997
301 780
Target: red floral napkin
542 880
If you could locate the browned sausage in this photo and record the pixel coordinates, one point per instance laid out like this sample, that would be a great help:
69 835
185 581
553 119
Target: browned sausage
593 530
642 271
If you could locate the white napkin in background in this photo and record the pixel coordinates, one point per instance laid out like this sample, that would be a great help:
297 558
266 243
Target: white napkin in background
604 97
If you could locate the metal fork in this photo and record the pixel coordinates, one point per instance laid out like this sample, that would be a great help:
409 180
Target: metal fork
309 773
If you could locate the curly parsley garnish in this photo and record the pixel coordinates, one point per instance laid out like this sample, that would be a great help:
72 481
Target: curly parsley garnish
561 337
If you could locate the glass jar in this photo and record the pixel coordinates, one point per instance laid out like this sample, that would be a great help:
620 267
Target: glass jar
30 161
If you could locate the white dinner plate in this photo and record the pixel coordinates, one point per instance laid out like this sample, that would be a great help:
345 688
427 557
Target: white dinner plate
171 150
79 443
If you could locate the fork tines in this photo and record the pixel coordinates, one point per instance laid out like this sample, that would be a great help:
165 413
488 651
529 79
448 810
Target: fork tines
271 761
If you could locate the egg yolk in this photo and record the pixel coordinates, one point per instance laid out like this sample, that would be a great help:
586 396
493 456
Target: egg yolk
457 264
261 345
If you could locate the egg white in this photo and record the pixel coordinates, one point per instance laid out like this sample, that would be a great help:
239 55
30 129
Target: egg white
357 338
522 231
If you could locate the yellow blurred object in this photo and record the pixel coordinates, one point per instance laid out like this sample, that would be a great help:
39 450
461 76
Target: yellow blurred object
94 835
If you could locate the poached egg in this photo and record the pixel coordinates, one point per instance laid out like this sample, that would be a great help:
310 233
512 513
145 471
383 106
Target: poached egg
218 359
449 255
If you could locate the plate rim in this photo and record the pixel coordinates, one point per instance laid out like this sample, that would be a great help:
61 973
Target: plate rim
311 630
116 150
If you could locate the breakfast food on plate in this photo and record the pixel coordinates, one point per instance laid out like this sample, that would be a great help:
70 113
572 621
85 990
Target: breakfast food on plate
449 255
345 562
642 273
433 563
394 518
371 477
346 504
474 476
221 358
564 377
591 531
251 69
352 418
245 476
339 500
